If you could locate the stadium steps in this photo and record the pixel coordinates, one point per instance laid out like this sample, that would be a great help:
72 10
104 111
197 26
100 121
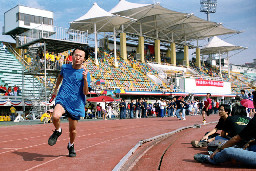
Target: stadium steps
11 74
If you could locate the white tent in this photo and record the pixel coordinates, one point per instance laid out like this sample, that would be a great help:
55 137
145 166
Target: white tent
124 5
104 20
95 18
218 46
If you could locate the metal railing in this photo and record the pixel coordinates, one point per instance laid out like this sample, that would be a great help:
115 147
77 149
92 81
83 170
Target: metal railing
26 92
17 55
3 30
53 32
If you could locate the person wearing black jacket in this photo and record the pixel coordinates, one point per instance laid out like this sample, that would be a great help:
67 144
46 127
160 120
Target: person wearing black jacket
138 109
122 106
144 108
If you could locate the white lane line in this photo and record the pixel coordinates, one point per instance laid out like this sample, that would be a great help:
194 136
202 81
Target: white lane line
13 148
77 151
27 138
44 163
140 126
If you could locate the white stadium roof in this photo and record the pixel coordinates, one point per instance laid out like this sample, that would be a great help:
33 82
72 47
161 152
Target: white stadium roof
104 20
150 20
216 45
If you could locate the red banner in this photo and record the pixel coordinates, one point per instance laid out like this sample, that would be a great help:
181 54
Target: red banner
209 83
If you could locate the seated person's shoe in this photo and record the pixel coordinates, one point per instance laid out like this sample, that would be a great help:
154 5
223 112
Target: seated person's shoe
198 144
194 143
202 143
202 158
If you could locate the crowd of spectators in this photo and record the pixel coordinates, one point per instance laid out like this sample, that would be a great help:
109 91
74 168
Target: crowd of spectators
10 91
142 108
127 76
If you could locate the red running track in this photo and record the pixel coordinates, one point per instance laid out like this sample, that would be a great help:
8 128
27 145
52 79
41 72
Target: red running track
100 145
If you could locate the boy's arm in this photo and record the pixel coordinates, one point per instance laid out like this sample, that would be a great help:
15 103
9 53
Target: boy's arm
85 88
59 80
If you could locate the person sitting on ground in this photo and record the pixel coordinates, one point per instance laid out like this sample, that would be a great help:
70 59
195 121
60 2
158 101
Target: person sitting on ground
210 136
237 121
46 117
234 124
226 152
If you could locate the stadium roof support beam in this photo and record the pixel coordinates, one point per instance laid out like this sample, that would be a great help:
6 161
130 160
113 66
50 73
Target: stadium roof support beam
228 66
198 62
220 63
141 45
96 44
186 55
123 45
114 34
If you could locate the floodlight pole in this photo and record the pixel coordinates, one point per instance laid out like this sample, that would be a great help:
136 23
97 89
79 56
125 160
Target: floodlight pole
208 6
45 76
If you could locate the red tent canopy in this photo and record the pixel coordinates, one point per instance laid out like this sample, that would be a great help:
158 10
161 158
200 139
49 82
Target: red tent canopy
101 99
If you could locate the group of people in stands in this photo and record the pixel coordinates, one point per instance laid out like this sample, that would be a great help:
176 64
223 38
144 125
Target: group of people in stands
53 61
236 142
15 91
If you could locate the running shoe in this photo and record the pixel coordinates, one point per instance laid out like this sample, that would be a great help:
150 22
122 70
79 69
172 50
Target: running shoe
202 158
53 138
71 151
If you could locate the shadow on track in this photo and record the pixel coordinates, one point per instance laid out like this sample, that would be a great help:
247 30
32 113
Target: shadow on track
34 156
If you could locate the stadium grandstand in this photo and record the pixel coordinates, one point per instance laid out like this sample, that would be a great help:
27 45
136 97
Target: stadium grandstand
34 62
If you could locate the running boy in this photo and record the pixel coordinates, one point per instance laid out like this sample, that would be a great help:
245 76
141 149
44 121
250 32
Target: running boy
207 106
71 97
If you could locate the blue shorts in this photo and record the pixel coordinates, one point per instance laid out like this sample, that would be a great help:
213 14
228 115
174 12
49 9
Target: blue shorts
67 114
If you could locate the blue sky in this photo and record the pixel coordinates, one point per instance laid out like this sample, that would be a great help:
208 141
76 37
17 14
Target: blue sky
234 14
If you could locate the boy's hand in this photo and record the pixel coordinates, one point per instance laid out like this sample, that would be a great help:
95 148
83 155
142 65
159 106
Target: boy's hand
85 72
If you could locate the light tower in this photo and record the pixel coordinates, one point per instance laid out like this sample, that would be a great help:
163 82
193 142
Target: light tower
208 6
